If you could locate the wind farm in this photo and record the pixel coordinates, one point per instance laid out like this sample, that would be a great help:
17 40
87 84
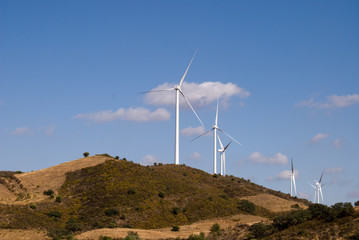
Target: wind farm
244 104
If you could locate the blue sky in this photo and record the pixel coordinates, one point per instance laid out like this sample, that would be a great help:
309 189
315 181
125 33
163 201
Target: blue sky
286 73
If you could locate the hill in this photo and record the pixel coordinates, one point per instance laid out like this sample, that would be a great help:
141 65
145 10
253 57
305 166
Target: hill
102 192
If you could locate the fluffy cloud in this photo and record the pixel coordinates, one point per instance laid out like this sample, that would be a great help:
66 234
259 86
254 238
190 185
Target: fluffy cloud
333 101
199 94
195 155
192 131
334 170
149 160
319 136
283 175
278 158
131 114
22 131
338 143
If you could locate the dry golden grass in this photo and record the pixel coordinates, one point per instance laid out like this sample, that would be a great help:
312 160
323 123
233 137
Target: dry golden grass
18 234
273 203
164 233
37 182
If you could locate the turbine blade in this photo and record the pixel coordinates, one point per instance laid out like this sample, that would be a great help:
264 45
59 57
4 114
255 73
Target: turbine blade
191 107
159 90
201 135
229 136
184 75
227 146
312 185
320 180
292 164
220 142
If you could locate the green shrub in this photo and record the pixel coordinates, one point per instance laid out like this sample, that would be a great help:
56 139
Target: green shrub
132 236
343 209
86 154
112 212
49 192
161 194
356 203
175 210
296 206
33 206
54 214
216 229
117 157
260 230
131 191
58 199
322 212
105 238
73 225
175 228
292 218
201 236
247 206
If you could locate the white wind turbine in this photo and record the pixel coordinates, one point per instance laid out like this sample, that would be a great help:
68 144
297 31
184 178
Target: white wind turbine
178 90
292 181
214 129
318 189
222 150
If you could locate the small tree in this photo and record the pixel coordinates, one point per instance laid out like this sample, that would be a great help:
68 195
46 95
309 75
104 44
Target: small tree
86 154
356 203
175 228
216 229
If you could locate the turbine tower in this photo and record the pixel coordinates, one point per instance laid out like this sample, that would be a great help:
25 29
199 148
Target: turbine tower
178 90
292 181
222 150
214 129
318 189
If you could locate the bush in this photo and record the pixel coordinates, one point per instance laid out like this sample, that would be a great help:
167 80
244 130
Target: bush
112 212
86 154
356 203
175 210
54 214
33 206
105 238
260 230
131 191
132 236
49 192
322 212
73 225
247 206
58 199
293 218
175 228
343 209
201 236
216 229
117 157
161 194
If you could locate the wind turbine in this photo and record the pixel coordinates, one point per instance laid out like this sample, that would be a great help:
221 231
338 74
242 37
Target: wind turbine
178 90
214 129
222 150
292 181
318 189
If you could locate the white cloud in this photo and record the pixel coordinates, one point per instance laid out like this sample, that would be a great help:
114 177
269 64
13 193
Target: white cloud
199 94
319 136
283 175
195 155
278 158
190 131
131 114
303 195
22 131
149 160
333 101
338 143
334 170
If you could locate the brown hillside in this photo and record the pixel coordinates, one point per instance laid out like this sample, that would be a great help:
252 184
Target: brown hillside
37 182
274 203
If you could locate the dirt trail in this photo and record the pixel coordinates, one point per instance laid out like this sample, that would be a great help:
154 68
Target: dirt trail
164 233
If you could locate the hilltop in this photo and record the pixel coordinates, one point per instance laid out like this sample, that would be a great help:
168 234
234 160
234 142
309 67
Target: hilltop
92 194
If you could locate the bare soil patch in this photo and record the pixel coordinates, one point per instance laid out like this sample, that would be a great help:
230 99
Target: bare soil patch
273 203
37 182
164 233
18 234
